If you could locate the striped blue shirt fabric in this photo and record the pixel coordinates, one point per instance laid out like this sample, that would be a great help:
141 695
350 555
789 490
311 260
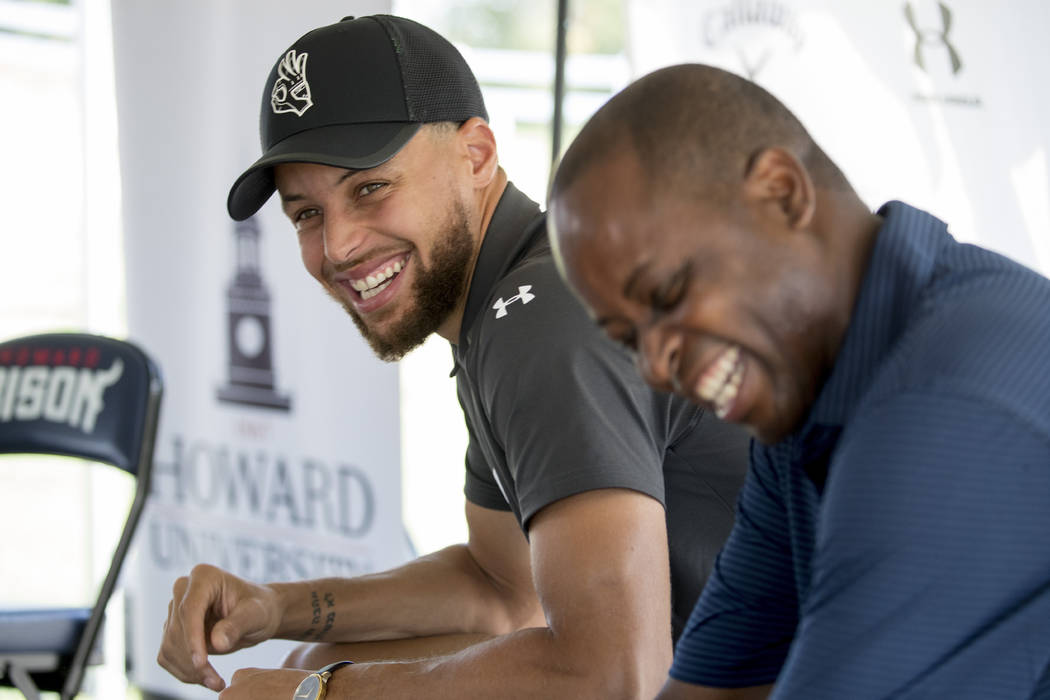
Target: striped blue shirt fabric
897 545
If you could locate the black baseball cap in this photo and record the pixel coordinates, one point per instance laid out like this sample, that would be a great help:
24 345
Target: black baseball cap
351 95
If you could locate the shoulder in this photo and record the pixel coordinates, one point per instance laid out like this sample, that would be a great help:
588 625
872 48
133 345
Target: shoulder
975 291
531 310
983 334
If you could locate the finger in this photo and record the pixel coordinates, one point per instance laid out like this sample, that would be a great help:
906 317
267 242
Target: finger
173 659
244 625
210 678
172 656
200 595
223 636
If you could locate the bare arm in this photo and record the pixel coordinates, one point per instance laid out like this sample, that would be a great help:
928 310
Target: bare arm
600 567
676 690
450 591
484 586
601 571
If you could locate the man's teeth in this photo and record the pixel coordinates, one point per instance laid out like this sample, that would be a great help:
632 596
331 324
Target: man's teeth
720 384
726 397
369 293
377 281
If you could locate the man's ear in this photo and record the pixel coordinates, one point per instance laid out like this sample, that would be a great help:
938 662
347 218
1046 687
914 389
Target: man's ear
480 144
776 177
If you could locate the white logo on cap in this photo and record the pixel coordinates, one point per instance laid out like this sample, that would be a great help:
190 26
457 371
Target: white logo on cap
291 92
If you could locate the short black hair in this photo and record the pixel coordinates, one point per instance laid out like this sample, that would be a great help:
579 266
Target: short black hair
694 126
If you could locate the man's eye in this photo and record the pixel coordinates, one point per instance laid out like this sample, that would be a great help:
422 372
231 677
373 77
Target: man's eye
668 295
369 188
300 217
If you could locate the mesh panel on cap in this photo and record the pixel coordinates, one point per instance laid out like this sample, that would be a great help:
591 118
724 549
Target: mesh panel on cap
439 86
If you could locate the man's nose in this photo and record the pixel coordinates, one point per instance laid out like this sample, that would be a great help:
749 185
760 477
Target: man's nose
344 235
658 355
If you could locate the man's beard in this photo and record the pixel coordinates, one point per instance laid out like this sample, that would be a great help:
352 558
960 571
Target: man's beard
436 291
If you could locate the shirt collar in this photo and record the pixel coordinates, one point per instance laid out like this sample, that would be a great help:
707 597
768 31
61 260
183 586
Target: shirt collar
902 264
502 245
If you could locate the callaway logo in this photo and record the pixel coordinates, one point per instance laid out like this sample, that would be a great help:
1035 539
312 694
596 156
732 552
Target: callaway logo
523 296
291 92
755 30
58 394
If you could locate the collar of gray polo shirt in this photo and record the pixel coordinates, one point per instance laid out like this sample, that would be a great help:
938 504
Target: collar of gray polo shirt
511 232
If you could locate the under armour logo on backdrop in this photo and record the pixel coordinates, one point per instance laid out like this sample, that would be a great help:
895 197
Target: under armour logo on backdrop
291 92
924 37
523 295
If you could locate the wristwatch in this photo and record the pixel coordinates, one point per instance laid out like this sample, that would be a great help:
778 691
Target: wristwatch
314 686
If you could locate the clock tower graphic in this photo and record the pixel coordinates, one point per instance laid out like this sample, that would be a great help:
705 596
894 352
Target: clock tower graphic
248 335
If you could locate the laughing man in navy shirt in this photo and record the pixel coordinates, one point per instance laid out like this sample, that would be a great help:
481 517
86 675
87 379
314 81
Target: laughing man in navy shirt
893 537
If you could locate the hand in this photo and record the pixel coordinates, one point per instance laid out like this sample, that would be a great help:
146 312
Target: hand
263 684
214 612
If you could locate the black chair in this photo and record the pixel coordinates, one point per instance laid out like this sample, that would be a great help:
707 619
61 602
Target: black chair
88 397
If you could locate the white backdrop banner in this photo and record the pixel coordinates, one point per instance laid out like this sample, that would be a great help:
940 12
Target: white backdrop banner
936 103
278 455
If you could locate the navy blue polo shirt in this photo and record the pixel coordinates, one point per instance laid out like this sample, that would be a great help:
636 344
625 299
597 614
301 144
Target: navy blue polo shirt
898 544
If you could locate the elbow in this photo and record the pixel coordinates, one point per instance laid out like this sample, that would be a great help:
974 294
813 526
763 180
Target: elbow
508 614
642 681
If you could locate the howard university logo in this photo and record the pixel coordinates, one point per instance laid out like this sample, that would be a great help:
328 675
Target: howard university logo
754 30
248 337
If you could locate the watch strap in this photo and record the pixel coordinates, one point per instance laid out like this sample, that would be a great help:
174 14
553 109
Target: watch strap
322 675
325 673
333 666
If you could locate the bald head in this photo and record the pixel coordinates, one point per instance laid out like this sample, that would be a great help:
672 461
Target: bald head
706 231
695 127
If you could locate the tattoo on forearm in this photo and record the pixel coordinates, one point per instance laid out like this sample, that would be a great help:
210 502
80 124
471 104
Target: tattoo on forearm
315 634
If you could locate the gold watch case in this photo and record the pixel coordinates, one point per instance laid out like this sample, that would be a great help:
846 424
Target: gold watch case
315 686
312 687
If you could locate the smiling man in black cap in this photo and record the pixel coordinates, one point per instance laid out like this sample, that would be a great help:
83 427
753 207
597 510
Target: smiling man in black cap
595 506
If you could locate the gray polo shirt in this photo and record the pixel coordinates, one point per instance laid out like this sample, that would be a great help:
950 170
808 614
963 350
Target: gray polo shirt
554 408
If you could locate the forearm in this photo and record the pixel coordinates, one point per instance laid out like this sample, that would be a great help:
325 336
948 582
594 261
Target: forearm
677 690
600 561
442 593
527 664
601 573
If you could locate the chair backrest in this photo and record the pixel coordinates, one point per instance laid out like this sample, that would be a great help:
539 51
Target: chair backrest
85 396
77 395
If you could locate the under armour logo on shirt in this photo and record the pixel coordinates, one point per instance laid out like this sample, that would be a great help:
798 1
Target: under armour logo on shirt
523 295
